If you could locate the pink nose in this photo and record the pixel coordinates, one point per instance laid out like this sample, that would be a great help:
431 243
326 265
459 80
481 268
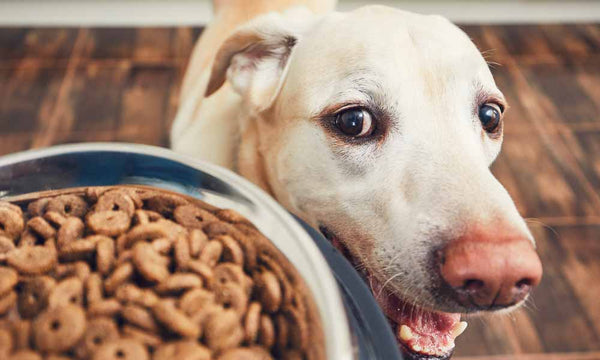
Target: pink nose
490 269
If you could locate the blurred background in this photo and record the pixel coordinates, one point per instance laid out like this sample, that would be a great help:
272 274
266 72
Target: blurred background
92 70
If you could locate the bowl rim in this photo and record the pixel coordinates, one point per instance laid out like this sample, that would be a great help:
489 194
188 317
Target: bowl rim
322 281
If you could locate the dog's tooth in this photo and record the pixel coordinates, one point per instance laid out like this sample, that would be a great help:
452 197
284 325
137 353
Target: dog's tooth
417 347
405 333
458 329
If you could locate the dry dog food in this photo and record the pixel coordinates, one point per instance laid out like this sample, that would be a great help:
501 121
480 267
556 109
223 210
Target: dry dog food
120 273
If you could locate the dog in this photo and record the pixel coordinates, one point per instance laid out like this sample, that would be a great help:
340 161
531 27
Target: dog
378 127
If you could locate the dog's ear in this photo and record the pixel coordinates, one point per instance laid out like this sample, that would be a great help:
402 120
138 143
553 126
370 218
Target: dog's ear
255 58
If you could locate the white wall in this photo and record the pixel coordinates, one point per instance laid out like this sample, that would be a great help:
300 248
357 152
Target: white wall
198 12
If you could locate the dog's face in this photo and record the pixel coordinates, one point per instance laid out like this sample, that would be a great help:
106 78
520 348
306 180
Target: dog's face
378 127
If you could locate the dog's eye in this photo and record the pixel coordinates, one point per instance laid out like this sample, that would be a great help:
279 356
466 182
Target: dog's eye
490 115
355 122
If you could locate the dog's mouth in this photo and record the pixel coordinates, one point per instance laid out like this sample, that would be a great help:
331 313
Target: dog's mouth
422 334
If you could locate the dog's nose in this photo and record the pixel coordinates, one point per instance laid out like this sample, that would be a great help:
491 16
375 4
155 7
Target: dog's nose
488 271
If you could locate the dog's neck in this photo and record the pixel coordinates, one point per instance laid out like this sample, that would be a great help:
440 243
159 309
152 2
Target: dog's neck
250 161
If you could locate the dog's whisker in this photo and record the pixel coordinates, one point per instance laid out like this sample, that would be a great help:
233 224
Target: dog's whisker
387 282
540 222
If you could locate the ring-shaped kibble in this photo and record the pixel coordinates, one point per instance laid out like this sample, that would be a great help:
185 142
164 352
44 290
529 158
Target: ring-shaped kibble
141 217
149 263
68 205
59 329
225 273
8 279
195 299
192 216
25 355
182 252
54 218
71 230
79 269
122 274
6 246
246 353
205 272
40 226
139 316
38 207
231 216
162 246
122 349
108 308
33 295
7 302
232 296
21 333
109 222
98 332
105 255
6 342
175 320
298 329
164 204
223 330
129 293
211 254
77 250
198 241
67 292
32 260
183 349
232 251
11 223
246 238
115 200
93 288
252 322
144 337
12 207
177 283
151 231
269 291
282 328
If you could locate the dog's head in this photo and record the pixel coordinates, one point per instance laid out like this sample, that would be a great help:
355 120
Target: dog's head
379 126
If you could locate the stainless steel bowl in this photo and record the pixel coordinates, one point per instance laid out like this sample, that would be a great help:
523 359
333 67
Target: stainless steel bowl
112 163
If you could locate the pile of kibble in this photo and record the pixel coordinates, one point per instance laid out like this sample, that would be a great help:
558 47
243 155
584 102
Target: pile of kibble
126 273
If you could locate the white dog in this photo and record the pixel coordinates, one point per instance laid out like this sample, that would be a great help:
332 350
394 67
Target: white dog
378 127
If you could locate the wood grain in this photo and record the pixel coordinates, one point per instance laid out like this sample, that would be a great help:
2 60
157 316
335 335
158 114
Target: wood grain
76 85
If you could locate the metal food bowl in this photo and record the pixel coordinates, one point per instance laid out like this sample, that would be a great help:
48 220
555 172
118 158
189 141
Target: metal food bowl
354 326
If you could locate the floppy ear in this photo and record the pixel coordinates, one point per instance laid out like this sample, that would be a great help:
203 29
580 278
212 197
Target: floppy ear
255 58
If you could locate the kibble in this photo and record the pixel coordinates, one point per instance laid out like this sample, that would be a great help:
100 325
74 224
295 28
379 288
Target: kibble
118 273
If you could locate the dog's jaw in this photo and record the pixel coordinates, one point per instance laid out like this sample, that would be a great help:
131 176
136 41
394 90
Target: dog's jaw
421 334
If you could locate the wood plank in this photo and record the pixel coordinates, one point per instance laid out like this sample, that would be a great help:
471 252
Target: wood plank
55 116
115 43
10 143
144 105
562 314
562 322
153 44
594 355
96 96
23 94
560 85
542 184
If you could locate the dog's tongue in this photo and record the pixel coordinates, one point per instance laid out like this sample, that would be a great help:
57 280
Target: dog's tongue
420 331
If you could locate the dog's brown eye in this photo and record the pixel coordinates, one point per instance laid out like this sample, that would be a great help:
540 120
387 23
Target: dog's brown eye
490 115
355 122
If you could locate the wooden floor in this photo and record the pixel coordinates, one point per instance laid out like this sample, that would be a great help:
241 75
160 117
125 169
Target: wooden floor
73 85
